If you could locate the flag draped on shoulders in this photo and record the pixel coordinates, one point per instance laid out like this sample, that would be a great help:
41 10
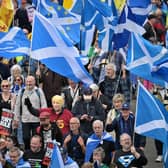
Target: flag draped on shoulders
54 50
93 141
143 57
6 14
14 43
151 118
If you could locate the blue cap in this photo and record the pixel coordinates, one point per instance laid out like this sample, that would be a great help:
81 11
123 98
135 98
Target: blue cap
125 106
86 90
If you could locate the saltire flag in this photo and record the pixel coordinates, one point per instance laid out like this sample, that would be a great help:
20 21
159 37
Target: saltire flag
160 70
141 9
93 141
102 7
151 119
54 50
67 23
56 158
142 57
94 18
14 43
6 14
91 17
106 35
127 23
86 39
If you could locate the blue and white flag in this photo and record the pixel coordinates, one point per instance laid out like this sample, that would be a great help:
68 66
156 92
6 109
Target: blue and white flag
127 23
74 6
56 158
91 17
98 15
151 118
67 23
54 50
86 39
106 35
143 57
141 9
14 43
93 141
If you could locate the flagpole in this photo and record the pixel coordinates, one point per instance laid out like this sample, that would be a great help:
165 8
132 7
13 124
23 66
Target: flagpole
133 137
31 44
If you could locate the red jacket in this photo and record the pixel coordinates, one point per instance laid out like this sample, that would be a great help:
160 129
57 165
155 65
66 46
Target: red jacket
62 119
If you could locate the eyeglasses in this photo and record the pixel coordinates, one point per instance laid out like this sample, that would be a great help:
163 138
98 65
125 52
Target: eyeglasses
3 86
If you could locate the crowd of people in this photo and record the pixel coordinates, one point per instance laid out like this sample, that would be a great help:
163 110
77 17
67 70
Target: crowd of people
87 126
93 125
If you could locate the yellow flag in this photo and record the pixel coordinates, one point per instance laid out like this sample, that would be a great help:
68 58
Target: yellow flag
6 14
67 4
119 4
19 58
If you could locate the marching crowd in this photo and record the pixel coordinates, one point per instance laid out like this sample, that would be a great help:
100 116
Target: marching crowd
87 125
93 125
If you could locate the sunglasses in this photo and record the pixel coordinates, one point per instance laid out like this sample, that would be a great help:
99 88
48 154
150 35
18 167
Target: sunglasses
3 86
18 80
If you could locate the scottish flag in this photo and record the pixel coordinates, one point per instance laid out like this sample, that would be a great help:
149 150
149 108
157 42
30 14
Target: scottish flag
14 43
56 158
86 39
93 141
127 23
54 50
106 35
99 12
67 23
151 119
141 9
91 17
143 57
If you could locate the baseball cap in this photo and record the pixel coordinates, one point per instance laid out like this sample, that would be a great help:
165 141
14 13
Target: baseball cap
125 106
44 114
86 90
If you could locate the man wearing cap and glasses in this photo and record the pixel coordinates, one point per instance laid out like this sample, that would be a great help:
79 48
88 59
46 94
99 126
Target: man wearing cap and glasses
124 123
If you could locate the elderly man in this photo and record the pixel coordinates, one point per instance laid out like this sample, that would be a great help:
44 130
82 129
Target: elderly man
100 139
22 113
124 123
129 156
113 84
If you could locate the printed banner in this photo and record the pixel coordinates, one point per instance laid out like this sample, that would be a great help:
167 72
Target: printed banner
48 154
6 122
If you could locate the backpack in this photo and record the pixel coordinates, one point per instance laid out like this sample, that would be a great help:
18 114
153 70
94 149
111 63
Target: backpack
21 95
